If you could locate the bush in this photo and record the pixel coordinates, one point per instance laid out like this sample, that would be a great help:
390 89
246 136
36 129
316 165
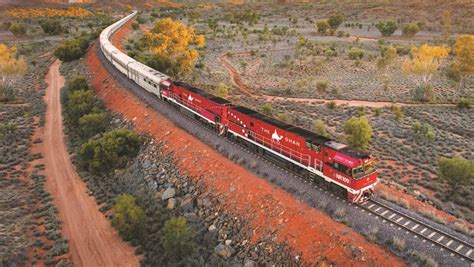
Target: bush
163 65
423 93
464 103
92 124
331 105
135 26
177 241
77 83
423 131
17 29
222 90
356 53
283 116
72 49
267 109
110 152
319 127
410 29
322 25
51 26
397 112
79 103
129 218
398 243
358 131
322 86
386 28
336 20
456 171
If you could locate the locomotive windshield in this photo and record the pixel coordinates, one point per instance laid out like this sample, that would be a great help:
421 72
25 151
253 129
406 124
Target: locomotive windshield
362 171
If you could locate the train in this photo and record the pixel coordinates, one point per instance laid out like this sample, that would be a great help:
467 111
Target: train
334 164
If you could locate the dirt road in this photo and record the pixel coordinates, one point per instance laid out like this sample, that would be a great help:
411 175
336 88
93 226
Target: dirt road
92 240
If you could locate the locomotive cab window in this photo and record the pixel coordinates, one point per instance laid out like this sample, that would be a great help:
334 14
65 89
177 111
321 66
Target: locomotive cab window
342 168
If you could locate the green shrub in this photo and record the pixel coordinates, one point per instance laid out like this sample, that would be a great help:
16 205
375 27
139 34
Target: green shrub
386 28
129 218
177 241
17 29
322 26
79 103
398 243
92 124
267 109
331 104
135 26
410 29
397 112
319 127
464 103
356 53
283 116
77 83
113 150
51 27
423 131
222 90
72 49
453 72
322 86
358 131
456 171
336 20
423 93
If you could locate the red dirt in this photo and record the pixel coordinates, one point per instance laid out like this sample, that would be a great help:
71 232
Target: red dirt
309 232
92 240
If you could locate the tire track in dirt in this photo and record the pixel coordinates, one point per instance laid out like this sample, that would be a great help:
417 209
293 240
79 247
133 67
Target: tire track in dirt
351 103
92 240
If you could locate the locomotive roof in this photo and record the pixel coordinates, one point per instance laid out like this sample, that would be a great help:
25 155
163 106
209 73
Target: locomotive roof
355 153
254 114
219 100
310 136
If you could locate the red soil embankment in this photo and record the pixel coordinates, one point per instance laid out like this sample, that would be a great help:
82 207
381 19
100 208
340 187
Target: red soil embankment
309 232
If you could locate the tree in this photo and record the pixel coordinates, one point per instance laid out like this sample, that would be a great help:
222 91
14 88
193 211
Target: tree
388 55
135 25
79 103
358 131
320 128
222 90
177 241
112 151
92 124
11 68
172 41
410 29
322 25
336 20
464 51
424 64
456 171
447 27
386 28
51 27
129 218
17 29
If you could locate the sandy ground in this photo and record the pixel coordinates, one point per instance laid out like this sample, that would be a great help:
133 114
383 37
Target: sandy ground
92 240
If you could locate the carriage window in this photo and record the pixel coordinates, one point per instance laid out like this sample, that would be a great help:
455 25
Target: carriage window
251 124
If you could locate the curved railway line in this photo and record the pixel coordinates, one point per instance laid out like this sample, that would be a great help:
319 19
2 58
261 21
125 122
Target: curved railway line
405 222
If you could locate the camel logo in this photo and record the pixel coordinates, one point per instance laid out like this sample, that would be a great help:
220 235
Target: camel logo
276 137
190 98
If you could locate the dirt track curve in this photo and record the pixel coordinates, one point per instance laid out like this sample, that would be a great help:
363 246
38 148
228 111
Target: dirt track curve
351 103
92 240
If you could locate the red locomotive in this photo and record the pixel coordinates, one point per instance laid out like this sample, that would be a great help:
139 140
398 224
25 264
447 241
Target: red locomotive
336 163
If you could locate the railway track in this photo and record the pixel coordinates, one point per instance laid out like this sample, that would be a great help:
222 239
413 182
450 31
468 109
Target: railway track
427 232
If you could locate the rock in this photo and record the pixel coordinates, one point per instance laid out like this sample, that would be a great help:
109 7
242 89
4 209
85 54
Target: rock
169 193
187 204
191 217
228 242
146 164
171 203
212 228
249 263
207 203
223 251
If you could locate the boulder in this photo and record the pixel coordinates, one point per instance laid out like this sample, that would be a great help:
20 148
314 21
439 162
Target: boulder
249 263
187 204
171 203
191 217
224 251
169 193
212 228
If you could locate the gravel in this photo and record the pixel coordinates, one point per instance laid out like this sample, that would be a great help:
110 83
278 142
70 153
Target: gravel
359 220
